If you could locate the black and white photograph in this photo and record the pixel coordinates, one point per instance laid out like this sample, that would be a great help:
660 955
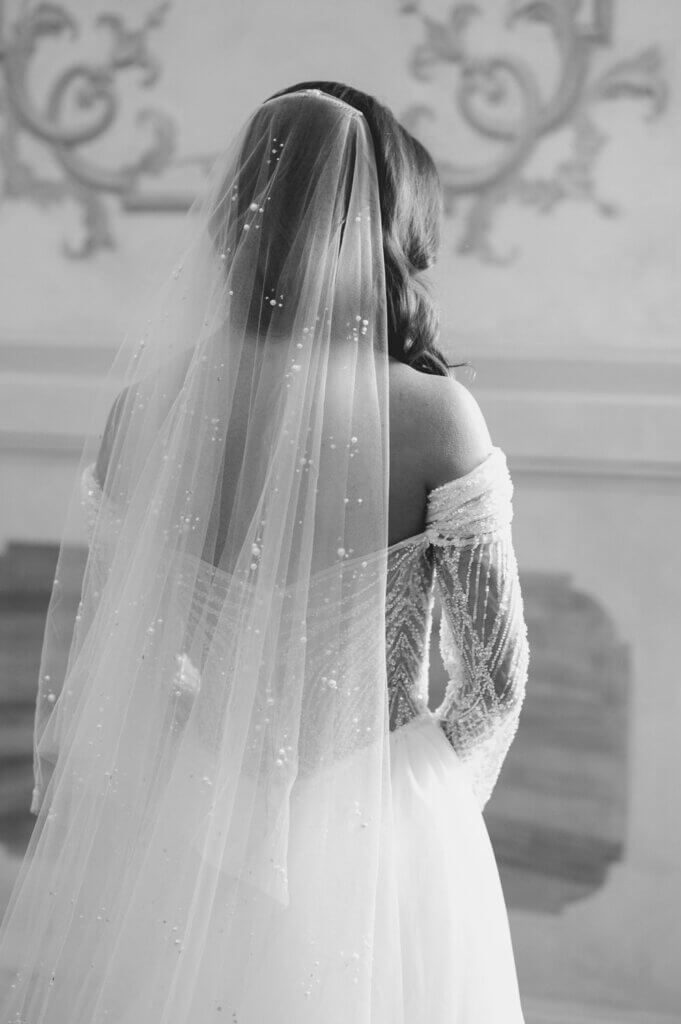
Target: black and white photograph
340 481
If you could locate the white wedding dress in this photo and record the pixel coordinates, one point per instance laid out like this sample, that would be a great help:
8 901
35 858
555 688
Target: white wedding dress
447 958
457 964
457 956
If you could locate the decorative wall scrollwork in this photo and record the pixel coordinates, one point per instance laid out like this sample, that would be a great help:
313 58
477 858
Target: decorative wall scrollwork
485 87
91 90
500 99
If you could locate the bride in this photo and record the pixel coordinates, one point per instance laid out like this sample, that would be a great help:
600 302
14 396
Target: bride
246 810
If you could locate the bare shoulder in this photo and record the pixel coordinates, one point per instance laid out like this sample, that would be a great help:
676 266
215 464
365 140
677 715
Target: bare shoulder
445 424
457 438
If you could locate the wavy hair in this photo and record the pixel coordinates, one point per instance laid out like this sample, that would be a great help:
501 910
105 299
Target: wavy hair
411 214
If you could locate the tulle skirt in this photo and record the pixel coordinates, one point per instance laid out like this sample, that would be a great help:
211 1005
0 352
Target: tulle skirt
457 957
446 958
441 952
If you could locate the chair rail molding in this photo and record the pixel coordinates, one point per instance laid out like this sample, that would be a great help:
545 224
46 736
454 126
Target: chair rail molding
543 1011
607 415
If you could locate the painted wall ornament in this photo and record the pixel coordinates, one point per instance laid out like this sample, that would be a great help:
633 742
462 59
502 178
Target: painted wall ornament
91 90
500 100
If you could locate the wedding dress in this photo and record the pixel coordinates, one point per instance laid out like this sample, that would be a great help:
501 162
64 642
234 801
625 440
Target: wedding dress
247 811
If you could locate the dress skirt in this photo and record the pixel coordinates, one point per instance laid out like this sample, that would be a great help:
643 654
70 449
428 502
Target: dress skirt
445 957
457 957
439 949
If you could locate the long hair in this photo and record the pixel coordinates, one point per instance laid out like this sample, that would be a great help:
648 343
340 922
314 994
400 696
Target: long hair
243 198
411 213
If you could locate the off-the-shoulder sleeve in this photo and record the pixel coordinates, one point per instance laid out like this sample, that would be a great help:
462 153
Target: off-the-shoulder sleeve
483 636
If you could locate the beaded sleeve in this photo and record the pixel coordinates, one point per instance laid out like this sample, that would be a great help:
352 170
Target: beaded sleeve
483 636
90 497
102 519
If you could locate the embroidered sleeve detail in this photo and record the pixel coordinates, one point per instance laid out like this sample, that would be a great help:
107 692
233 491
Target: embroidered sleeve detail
483 635
90 498
102 517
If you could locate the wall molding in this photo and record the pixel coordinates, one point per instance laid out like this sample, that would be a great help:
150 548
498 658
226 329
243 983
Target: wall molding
589 416
592 471
33 356
40 444
619 373
653 370
545 1012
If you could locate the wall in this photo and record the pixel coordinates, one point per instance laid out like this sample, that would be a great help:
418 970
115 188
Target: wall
558 280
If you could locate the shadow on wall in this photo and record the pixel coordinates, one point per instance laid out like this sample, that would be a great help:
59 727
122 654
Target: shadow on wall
557 818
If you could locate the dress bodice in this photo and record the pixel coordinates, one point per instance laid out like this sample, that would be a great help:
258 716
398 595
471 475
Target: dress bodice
466 553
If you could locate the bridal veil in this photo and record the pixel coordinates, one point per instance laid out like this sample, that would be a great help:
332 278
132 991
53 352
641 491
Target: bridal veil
211 745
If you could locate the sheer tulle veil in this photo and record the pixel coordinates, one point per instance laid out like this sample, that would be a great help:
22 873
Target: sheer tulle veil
211 744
